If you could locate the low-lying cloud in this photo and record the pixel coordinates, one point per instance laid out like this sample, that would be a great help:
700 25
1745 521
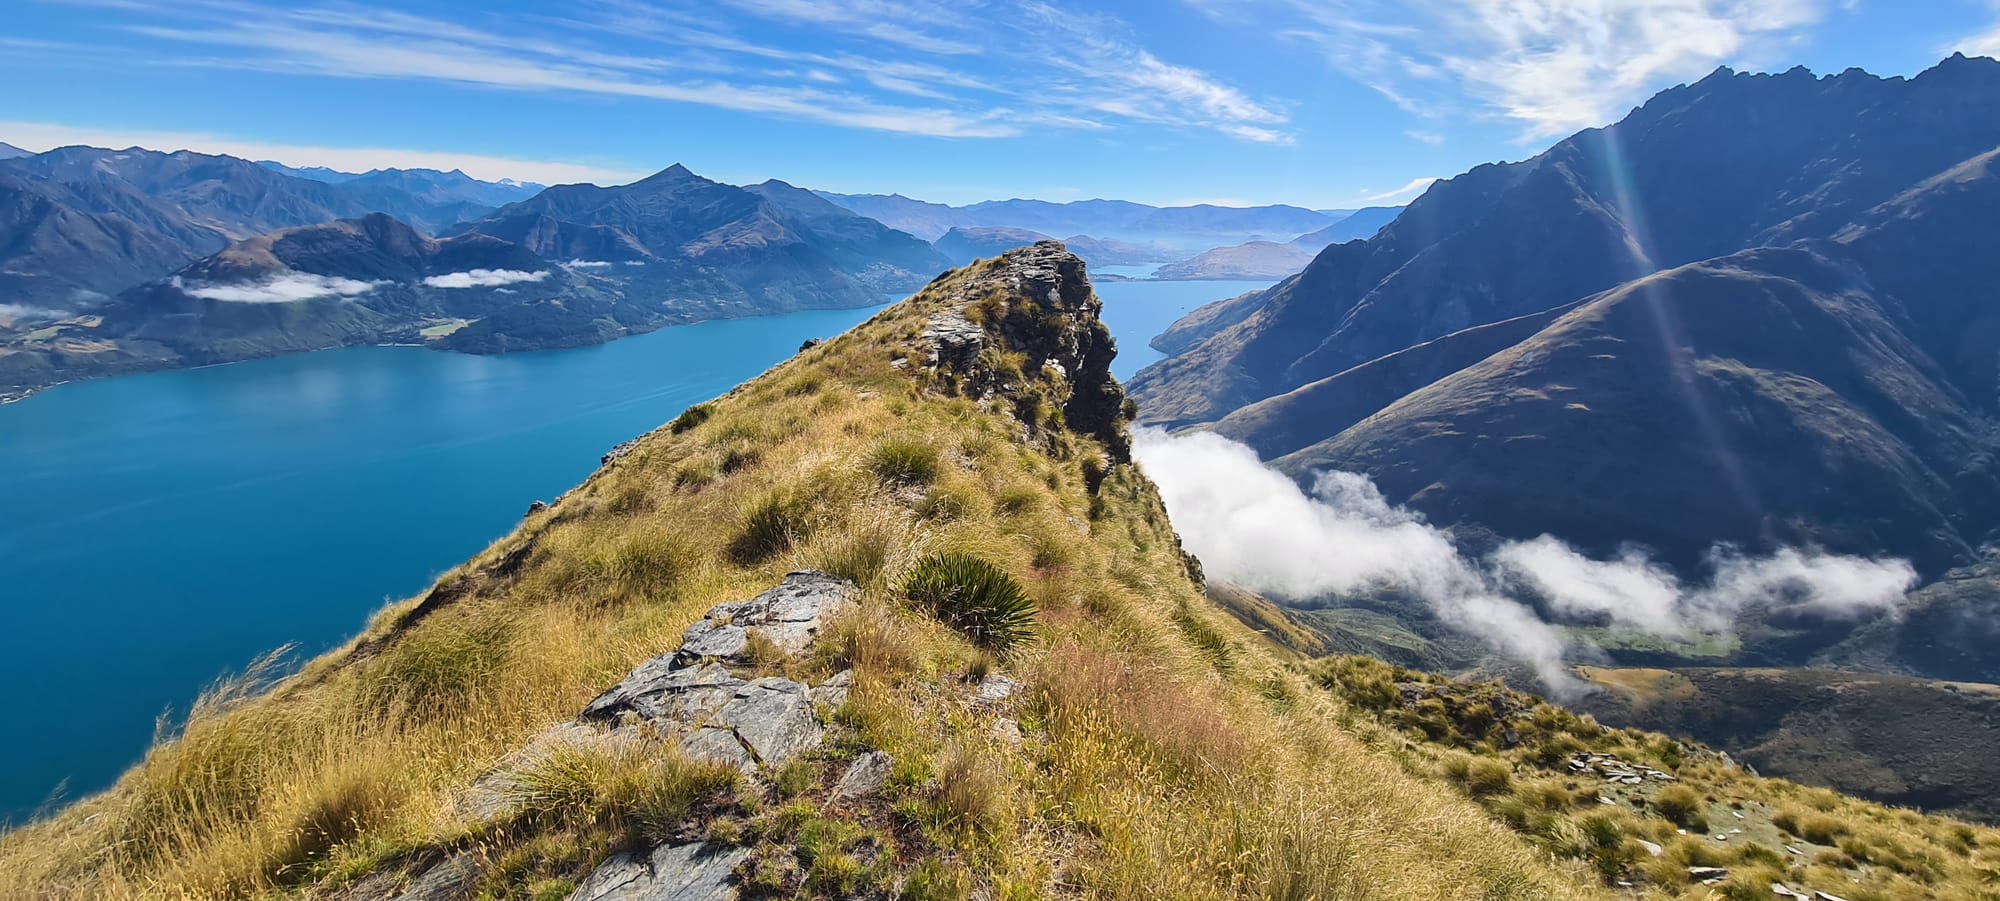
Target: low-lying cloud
288 287
23 311
587 264
485 278
1255 527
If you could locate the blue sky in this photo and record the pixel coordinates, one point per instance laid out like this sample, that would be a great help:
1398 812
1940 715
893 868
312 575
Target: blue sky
1323 103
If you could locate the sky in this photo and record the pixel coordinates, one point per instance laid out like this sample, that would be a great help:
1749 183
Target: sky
1319 103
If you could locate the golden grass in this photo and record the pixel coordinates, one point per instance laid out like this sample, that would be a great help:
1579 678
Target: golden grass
1166 751
1771 830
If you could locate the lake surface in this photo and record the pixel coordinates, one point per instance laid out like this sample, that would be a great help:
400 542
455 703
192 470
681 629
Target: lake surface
1136 311
159 531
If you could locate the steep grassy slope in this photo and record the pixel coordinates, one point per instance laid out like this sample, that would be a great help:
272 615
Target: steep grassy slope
1663 816
1163 750
1909 741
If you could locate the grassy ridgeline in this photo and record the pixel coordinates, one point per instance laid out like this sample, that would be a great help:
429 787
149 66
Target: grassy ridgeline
1167 751
1164 749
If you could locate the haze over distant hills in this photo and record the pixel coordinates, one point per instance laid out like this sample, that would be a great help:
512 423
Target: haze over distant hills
263 262
1176 232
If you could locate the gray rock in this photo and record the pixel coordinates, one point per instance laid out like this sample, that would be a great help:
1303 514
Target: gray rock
864 777
663 692
1785 891
789 616
1652 848
537 507
451 879
696 872
715 745
1703 874
995 688
617 452
833 692
954 340
774 718
1827 896
1007 730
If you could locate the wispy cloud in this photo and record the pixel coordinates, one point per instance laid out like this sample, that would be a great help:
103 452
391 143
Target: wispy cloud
1986 43
1554 66
39 136
963 70
1403 194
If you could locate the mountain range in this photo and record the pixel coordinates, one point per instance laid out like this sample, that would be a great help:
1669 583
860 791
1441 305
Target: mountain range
133 260
1174 233
82 223
902 618
1759 312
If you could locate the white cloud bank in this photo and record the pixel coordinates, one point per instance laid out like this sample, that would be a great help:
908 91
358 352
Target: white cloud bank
289 287
484 278
587 264
1253 526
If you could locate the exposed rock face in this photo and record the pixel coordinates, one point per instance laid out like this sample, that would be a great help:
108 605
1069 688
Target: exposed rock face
788 616
690 694
695 872
1035 301
691 697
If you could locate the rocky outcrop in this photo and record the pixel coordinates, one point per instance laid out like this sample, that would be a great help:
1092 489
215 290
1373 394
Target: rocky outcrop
701 698
693 872
1035 302
691 695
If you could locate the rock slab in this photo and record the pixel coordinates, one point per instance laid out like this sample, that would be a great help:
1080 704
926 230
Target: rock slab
694 872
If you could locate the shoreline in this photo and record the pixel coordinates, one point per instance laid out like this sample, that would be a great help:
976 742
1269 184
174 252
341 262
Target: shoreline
16 395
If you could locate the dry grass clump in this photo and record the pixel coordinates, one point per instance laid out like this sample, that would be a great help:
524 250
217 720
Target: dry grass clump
1144 767
636 788
905 461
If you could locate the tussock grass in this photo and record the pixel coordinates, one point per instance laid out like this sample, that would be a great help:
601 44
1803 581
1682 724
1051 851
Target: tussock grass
1144 769
973 596
905 461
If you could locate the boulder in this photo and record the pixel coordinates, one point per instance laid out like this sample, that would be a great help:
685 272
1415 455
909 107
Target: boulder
995 688
663 691
716 745
693 872
833 692
449 880
864 777
773 717
789 616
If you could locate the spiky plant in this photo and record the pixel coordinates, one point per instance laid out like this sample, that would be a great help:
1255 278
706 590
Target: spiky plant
975 597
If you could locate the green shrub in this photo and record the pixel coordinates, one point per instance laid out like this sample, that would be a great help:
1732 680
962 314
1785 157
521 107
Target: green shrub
937 880
973 596
905 461
691 417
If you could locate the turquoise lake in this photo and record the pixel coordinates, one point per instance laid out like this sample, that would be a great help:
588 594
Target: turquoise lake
160 531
